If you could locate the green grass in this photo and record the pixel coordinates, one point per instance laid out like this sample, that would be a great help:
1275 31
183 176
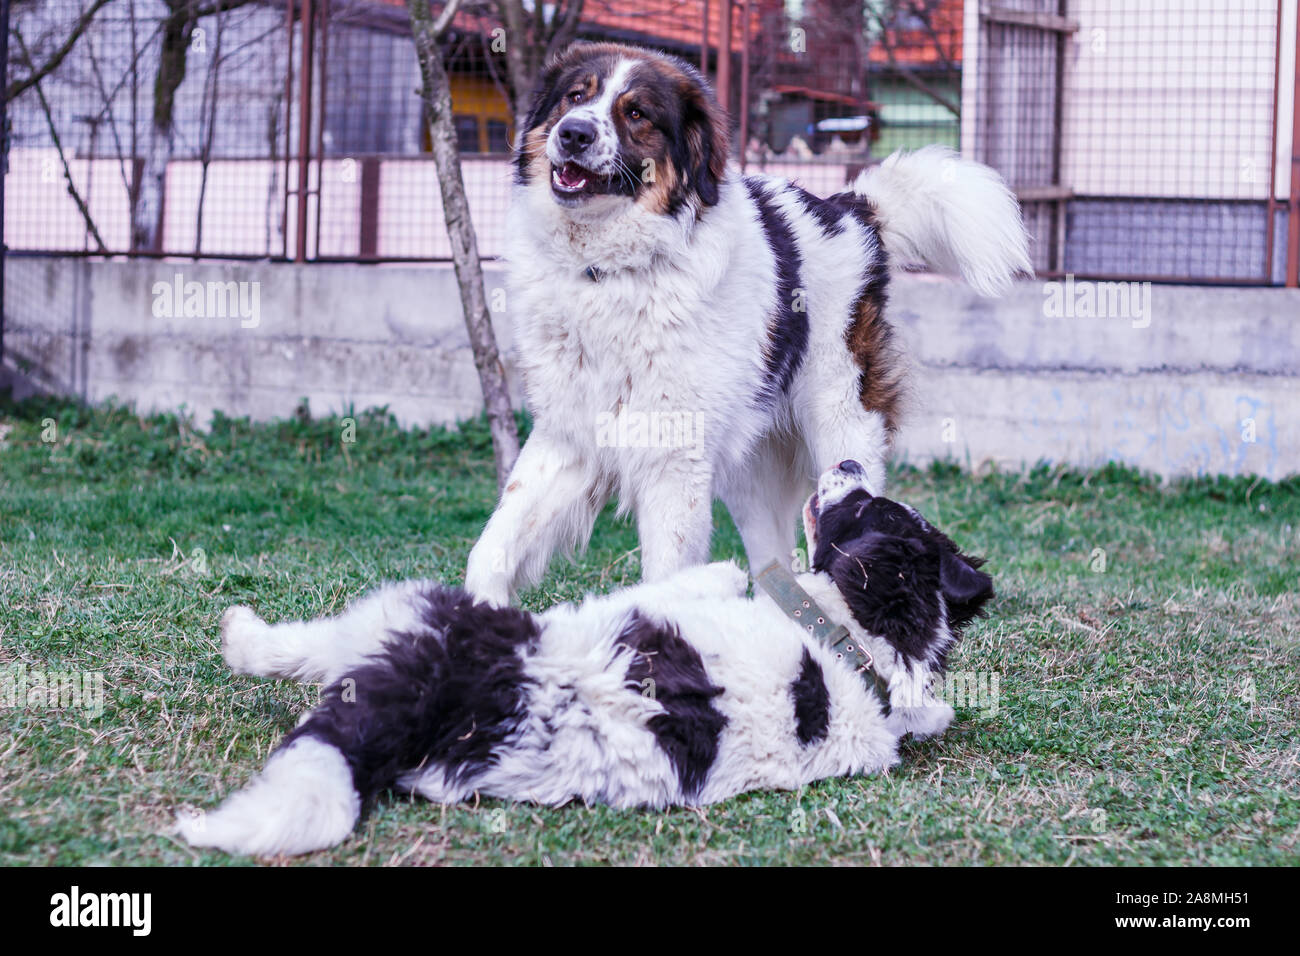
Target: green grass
1147 712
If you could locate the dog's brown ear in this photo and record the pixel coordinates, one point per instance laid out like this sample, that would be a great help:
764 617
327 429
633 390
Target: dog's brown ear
705 138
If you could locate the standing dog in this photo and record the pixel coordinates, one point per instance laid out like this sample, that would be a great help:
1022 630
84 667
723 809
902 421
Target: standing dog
682 691
686 333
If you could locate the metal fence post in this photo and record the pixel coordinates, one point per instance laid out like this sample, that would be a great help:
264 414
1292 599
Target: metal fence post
1293 205
307 20
4 156
724 55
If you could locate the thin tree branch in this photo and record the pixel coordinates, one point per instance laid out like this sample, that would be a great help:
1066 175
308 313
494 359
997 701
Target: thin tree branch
908 75
435 94
58 145
21 86
444 19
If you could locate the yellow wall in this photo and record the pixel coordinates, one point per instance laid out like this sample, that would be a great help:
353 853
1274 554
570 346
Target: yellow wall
473 95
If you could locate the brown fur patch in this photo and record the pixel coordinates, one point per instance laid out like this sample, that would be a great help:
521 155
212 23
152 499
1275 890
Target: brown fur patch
534 150
658 196
707 137
871 340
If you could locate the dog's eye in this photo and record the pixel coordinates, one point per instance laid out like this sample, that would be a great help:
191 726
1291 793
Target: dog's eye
634 113
575 96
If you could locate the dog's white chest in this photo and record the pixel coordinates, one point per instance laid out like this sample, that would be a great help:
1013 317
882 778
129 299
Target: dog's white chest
592 346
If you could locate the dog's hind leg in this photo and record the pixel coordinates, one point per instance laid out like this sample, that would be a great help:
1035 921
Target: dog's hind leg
765 500
303 800
448 692
846 430
324 649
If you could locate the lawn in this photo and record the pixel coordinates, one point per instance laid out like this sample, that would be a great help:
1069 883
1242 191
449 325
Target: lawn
1140 690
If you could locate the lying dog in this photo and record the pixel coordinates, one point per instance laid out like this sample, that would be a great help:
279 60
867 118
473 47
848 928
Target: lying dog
681 691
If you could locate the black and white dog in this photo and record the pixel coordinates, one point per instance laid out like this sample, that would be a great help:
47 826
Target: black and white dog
684 332
682 691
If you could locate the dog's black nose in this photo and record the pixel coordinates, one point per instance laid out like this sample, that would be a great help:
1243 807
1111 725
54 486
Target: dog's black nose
576 135
850 467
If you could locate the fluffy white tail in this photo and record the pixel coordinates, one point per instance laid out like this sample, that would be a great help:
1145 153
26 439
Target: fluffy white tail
302 800
951 214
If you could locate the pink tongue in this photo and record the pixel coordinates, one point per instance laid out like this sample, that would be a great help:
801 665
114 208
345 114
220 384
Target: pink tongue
571 174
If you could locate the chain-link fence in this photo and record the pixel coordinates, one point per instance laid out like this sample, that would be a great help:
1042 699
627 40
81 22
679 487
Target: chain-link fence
1148 140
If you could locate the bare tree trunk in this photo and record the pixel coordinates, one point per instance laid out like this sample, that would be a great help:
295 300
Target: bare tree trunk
530 45
436 94
178 27
177 33
511 13
212 97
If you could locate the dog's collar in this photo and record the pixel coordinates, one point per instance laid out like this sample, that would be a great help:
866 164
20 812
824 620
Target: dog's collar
782 588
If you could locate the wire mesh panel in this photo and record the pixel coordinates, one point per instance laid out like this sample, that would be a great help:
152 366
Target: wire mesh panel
1141 138
154 133
838 84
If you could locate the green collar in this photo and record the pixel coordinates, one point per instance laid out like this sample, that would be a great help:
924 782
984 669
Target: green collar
782 588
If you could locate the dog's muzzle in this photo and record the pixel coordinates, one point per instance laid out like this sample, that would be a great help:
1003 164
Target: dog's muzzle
833 485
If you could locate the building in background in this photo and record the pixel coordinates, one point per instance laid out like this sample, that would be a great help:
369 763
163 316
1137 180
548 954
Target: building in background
1143 141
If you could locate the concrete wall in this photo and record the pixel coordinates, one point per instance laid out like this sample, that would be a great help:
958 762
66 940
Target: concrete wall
1205 380
1172 379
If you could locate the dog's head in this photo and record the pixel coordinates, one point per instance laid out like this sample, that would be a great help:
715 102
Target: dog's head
899 575
614 125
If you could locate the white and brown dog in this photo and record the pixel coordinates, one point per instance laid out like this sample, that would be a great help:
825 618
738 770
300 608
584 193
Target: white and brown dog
682 691
685 332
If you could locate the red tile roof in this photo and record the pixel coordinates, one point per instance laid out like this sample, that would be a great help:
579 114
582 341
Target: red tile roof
936 44
677 25
673 23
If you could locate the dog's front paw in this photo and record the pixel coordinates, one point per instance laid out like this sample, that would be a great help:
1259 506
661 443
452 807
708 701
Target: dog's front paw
721 579
484 581
920 722
494 593
240 629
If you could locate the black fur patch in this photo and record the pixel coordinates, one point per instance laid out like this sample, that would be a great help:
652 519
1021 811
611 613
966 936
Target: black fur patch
812 702
875 274
893 568
449 693
827 214
830 212
689 729
788 330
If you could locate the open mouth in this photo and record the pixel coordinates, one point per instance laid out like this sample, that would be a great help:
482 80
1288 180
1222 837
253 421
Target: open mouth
810 518
571 181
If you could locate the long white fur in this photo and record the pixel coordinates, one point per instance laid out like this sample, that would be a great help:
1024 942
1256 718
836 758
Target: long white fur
678 323
953 215
303 800
585 734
